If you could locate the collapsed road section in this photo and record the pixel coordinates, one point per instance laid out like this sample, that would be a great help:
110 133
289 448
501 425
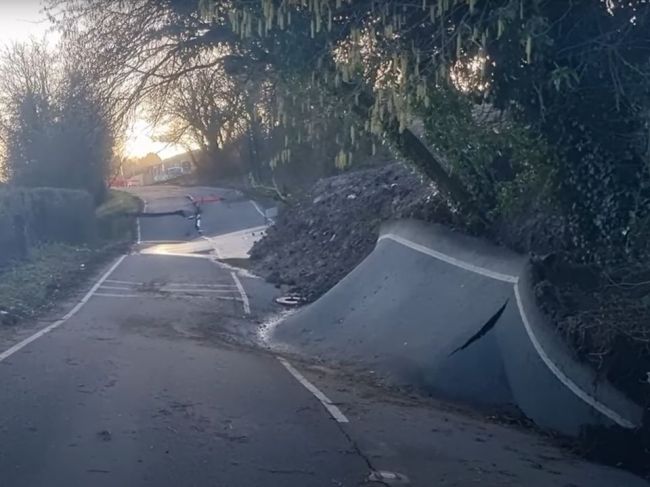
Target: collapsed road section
455 316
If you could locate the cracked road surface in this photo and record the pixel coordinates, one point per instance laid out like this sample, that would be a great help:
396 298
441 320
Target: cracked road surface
138 389
146 386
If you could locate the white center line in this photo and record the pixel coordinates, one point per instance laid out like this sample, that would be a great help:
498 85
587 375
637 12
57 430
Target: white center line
334 411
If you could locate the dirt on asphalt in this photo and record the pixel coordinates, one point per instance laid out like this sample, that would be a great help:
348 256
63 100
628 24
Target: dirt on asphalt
319 238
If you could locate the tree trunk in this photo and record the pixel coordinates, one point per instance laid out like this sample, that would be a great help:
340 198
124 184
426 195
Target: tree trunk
418 154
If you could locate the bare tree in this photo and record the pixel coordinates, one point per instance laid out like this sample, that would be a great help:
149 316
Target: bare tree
54 130
204 108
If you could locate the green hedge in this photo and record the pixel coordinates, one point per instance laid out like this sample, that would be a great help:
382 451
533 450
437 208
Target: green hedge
116 217
29 217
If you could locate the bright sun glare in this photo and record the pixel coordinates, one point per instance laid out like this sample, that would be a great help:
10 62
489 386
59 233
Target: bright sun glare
22 20
140 141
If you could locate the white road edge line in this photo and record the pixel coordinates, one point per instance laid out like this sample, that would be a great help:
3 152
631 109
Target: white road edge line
242 292
334 411
451 260
568 383
267 219
19 346
197 290
514 280
259 210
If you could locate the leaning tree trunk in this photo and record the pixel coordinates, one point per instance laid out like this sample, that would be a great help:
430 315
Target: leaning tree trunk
415 152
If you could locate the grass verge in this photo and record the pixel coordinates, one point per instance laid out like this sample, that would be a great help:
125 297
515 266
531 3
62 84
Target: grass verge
115 218
118 202
52 273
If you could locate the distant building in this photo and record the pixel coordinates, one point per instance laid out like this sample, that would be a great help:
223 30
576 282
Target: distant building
169 168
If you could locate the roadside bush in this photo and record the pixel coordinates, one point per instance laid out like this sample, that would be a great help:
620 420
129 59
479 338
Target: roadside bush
116 217
29 217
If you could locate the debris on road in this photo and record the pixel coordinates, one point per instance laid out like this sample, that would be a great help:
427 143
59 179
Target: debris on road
321 237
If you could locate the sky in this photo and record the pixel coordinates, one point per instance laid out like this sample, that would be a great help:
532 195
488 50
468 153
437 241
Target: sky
22 19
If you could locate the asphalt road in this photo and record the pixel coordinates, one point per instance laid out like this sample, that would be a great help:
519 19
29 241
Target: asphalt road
154 382
139 388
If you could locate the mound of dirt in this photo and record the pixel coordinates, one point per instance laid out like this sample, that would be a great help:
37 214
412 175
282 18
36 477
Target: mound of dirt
320 238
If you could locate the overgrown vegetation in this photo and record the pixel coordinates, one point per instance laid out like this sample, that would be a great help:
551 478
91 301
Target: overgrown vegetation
52 272
32 217
530 116
57 124
51 240
116 217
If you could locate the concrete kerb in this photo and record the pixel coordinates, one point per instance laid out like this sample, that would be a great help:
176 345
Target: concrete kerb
417 311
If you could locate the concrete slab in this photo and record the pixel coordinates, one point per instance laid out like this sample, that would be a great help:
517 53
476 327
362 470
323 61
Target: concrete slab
424 292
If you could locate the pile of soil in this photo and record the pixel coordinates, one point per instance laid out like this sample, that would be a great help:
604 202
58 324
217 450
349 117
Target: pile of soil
319 238
322 236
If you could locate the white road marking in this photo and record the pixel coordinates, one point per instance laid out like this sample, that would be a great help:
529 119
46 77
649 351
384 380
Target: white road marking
572 386
19 346
259 210
173 284
206 286
111 295
167 289
238 270
158 296
555 370
124 282
267 219
451 260
198 290
242 292
334 411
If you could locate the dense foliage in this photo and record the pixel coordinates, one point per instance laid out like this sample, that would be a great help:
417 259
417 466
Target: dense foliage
528 102
531 117
31 217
